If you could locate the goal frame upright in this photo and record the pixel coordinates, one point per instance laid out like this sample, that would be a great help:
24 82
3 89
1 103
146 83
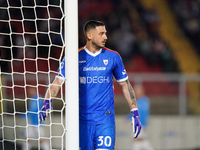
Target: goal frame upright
71 72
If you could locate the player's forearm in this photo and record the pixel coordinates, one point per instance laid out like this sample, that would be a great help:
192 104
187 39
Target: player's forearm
53 89
129 94
52 92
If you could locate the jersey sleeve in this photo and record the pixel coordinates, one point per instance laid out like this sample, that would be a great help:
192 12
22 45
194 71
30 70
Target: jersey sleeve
119 70
61 70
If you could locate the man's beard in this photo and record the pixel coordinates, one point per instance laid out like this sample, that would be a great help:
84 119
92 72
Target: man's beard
96 46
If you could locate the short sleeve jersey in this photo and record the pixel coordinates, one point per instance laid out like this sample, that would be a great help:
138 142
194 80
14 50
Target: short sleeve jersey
96 84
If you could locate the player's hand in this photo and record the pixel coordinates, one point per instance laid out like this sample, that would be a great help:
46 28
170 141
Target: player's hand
136 122
45 110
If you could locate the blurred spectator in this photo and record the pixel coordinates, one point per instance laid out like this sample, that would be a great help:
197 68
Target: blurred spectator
35 130
143 104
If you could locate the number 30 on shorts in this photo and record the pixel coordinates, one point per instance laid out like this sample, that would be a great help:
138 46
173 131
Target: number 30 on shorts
105 140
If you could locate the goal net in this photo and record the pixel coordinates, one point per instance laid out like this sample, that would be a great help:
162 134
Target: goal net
31 49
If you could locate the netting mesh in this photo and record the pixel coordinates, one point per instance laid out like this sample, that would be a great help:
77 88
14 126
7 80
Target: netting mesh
31 49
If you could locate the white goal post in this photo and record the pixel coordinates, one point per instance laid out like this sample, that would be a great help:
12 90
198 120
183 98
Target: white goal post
71 59
35 35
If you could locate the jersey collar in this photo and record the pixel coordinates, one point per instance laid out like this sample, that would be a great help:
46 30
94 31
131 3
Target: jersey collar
92 54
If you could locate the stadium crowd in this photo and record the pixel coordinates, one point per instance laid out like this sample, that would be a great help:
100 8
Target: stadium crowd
132 30
23 29
187 13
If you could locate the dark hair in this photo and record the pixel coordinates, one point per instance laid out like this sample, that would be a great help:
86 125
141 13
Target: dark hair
92 24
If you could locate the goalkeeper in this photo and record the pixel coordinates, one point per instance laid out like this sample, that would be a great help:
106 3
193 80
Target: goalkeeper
97 66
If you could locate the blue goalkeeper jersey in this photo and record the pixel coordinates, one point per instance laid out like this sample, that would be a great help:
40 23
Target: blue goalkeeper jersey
96 85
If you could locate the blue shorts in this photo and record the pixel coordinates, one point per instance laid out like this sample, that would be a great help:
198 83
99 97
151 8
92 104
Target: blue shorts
97 137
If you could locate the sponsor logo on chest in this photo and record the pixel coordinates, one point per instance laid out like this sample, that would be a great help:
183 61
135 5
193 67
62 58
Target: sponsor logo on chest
94 79
105 62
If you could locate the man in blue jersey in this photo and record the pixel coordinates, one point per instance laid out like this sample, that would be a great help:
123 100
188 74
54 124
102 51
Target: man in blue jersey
34 128
97 66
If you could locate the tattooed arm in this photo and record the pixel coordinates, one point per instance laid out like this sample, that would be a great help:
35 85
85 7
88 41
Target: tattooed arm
128 93
131 99
54 88
51 92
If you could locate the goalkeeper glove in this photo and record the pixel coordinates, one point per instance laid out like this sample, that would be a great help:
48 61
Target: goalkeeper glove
136 122
44 110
